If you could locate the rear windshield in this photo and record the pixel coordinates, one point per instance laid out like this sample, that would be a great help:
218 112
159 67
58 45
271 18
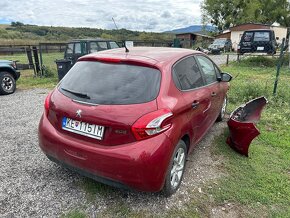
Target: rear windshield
219 41
262 36
258 36
111 84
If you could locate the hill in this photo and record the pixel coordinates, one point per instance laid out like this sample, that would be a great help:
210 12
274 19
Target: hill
21 33
193 28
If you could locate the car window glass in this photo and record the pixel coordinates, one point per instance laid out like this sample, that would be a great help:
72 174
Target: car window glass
187 74
111 84
102 45
208 69
218 72
114 45
248 36
78 48
70 48
262 36
94 47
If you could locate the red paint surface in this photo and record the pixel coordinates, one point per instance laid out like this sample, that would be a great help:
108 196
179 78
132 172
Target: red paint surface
119 156
243 131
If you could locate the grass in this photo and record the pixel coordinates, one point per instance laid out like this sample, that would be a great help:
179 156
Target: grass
75 214
27 79
263 180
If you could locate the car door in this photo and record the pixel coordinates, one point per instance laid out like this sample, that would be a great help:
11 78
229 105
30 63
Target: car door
188 79
211 73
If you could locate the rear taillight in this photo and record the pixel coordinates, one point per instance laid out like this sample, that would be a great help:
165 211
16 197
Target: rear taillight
152 124
47 103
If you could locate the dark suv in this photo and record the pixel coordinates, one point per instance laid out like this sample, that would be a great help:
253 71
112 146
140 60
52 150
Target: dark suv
8 76
80 47
258 41
221 44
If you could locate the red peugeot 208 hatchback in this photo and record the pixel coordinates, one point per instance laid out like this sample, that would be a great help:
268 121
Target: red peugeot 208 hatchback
129 119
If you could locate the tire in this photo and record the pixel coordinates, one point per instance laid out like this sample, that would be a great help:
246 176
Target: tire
223 110
7 83
176 169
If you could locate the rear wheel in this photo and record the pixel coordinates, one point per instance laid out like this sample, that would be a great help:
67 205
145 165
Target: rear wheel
223 110
176 169
7 83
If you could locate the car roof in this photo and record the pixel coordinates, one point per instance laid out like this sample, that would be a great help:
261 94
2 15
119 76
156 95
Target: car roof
148 55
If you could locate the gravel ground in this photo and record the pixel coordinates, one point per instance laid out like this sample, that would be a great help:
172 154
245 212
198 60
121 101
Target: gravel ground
32 186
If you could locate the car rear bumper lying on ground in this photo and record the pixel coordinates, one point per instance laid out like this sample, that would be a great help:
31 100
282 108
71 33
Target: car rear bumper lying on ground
141 165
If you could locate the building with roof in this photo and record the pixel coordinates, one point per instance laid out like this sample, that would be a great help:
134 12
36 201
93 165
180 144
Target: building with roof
187 40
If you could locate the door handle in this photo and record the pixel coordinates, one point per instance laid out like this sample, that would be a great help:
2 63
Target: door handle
195 104
213 94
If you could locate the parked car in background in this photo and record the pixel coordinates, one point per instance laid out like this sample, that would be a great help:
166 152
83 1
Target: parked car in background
258 41
134 117
221 44
8 76
80 47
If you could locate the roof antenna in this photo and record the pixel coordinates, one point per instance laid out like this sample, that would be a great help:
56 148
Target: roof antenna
124 42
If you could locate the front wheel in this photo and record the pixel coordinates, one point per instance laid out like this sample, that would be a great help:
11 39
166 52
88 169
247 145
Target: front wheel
7 83
176 169
223 110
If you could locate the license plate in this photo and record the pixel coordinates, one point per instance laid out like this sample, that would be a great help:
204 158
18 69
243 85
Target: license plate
260 48
83 128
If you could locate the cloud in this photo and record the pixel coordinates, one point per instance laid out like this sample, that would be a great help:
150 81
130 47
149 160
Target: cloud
142 15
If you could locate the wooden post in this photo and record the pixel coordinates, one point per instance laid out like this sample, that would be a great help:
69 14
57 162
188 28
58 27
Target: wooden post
227 59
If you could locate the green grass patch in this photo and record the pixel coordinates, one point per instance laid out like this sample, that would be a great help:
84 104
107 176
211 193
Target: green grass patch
264 177
75 214
28 80
92 188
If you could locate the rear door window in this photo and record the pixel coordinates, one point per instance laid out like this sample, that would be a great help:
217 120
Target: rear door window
103 45
248 36
114 45
111 84
78 49
262 36
208 69
70 48
187 75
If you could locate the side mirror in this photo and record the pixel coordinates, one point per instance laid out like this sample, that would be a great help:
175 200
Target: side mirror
277 38
225 77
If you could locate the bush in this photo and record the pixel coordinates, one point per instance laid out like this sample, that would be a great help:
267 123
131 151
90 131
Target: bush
48 73
248 90
263 61
258 61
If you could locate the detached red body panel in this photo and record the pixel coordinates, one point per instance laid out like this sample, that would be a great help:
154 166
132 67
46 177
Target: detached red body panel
242 127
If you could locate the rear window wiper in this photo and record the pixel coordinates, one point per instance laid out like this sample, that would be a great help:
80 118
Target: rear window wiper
82 95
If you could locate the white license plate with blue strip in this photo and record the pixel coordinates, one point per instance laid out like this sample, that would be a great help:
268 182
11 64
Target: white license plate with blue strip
83 128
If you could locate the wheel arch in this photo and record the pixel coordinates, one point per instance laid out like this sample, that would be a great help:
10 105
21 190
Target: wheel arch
9 70
186 140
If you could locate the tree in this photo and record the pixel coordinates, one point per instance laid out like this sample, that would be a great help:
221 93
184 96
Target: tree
227 13
17 24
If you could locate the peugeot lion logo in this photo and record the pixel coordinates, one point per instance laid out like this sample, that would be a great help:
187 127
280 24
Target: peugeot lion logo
79 113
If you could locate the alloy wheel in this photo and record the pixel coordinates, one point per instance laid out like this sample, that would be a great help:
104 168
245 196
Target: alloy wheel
7 83
177 168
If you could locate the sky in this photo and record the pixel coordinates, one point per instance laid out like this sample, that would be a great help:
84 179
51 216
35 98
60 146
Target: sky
141 15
